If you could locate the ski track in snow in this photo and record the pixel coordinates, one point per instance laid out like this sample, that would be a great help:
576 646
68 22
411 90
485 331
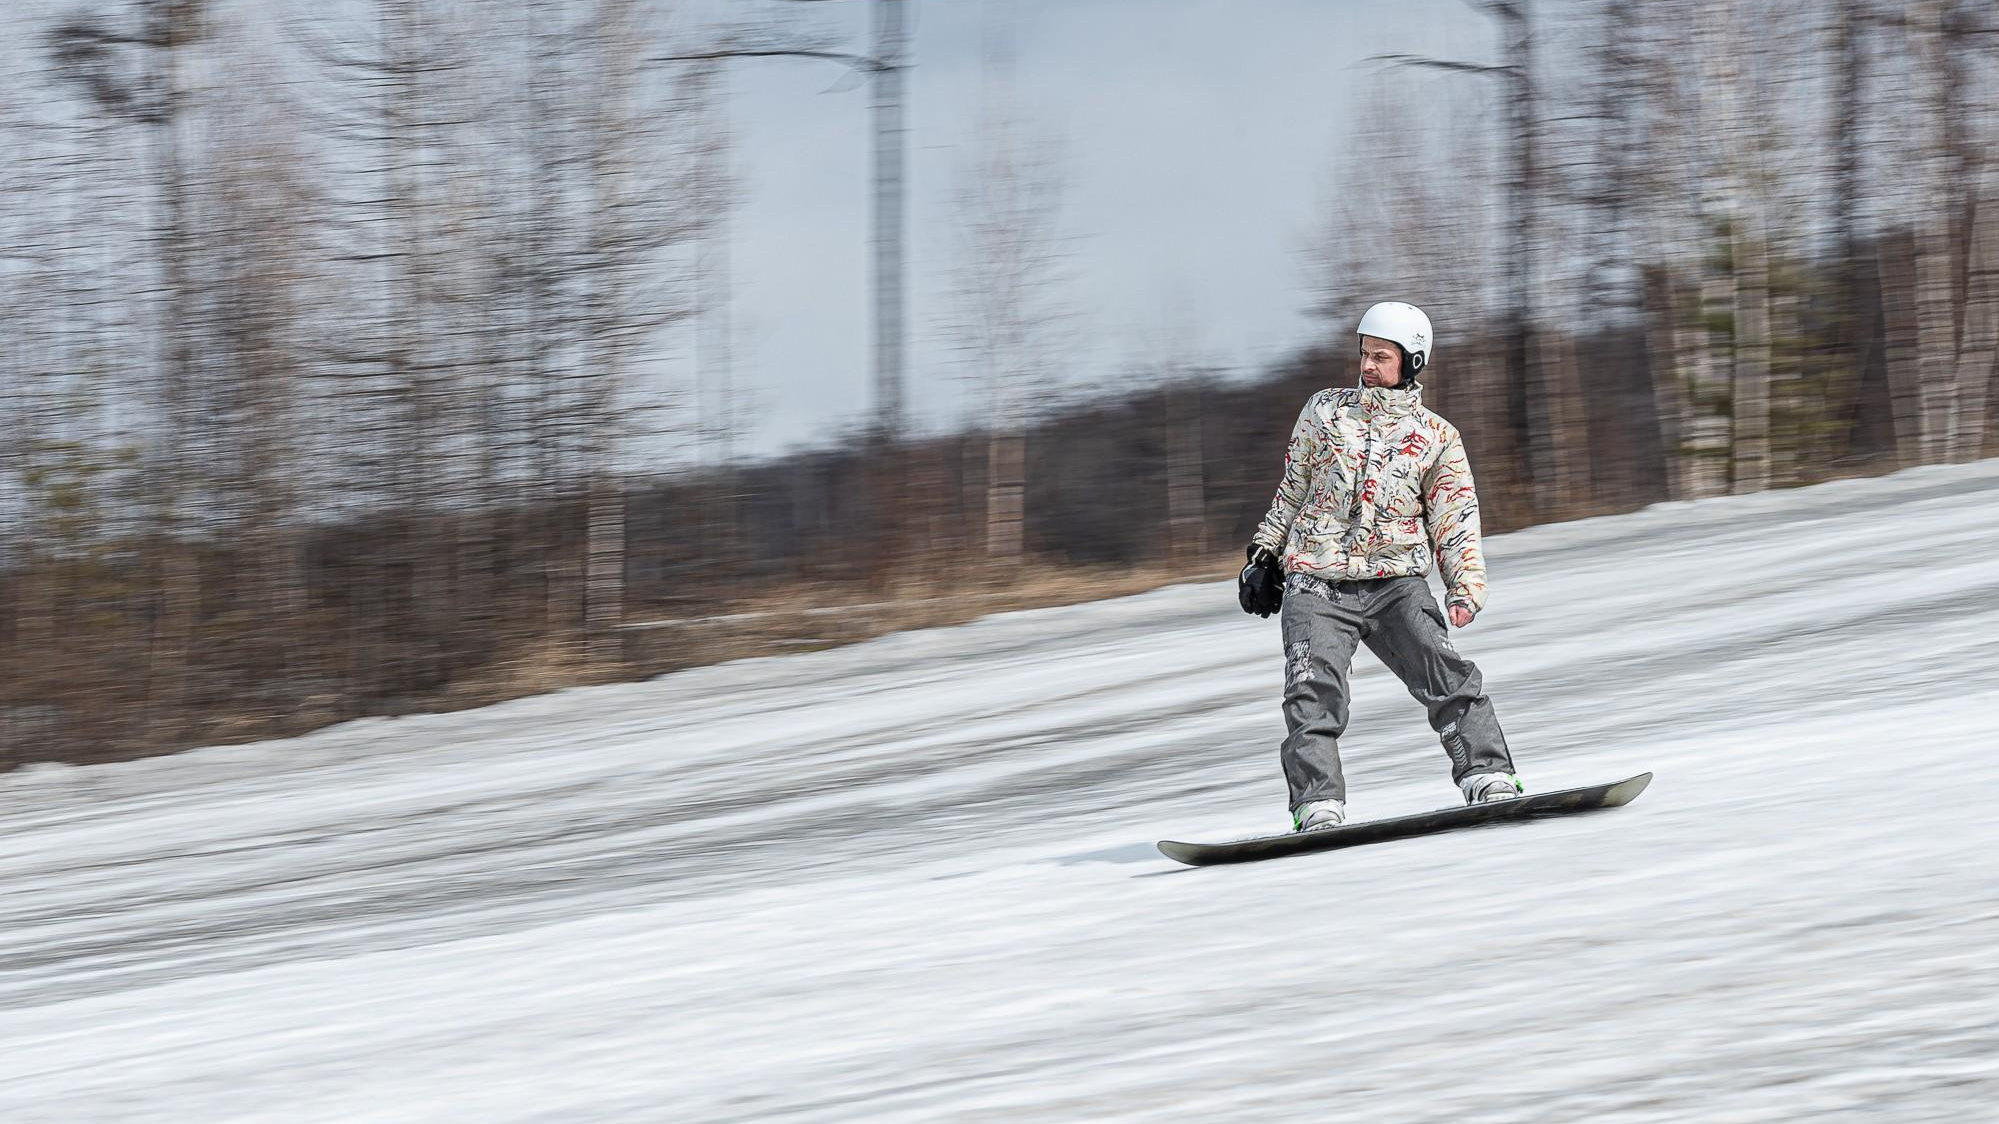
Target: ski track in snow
913 880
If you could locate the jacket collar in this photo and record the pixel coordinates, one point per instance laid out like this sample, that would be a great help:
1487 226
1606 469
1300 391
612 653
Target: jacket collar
1392 401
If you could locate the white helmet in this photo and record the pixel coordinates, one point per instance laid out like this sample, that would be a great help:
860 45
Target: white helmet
1402 324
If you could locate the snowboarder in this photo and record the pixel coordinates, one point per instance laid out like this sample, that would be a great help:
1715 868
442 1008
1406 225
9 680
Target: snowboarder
1373 485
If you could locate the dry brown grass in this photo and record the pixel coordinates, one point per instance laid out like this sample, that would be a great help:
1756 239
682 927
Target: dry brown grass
87 706
805 617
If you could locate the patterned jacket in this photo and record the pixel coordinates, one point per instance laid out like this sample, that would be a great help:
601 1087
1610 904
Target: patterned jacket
1372 483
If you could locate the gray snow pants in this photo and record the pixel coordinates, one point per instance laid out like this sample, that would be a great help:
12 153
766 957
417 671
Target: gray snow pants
1401 624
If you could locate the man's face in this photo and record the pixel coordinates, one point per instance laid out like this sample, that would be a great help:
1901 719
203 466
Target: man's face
1380 362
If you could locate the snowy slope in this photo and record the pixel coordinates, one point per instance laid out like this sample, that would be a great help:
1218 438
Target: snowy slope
913 880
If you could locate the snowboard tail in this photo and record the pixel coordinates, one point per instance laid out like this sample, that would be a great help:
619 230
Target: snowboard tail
1560 802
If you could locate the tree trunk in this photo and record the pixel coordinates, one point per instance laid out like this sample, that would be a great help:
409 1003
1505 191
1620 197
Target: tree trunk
1711 435
1567 421
605 581
1991 423
1901 332
974 483
1967 200
1186 505
1981 334
1750 436
1935 359
177 24
1855 332
1535 410
1801 440
1006 490
1670 367
1937 376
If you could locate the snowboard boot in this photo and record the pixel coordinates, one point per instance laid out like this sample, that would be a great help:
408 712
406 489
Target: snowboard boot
1315 814
1484 788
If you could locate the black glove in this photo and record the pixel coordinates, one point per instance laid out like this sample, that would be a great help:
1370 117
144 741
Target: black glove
1260 586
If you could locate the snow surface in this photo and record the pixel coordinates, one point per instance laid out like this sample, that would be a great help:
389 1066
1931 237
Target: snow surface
913 880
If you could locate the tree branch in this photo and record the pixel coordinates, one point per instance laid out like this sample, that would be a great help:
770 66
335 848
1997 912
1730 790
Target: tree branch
1428 63
858 62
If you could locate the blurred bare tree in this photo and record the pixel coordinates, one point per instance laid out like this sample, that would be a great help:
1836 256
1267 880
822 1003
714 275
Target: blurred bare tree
347 350
356 327
1801 247
1010 294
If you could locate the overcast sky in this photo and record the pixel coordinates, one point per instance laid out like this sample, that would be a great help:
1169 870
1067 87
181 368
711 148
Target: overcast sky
1199 136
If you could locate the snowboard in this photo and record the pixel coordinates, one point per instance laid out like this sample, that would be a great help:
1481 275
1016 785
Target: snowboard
1614 795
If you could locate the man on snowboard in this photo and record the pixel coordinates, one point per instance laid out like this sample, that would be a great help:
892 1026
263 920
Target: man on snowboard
1372 483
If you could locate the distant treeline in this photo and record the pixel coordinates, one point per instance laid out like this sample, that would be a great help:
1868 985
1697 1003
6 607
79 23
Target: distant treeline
389 614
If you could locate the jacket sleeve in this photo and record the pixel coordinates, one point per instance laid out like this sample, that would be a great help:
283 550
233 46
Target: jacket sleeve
1450 509
1299 457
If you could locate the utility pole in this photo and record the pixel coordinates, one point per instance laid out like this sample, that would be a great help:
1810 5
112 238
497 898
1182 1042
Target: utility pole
884 69
882 485
714 373
891 38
